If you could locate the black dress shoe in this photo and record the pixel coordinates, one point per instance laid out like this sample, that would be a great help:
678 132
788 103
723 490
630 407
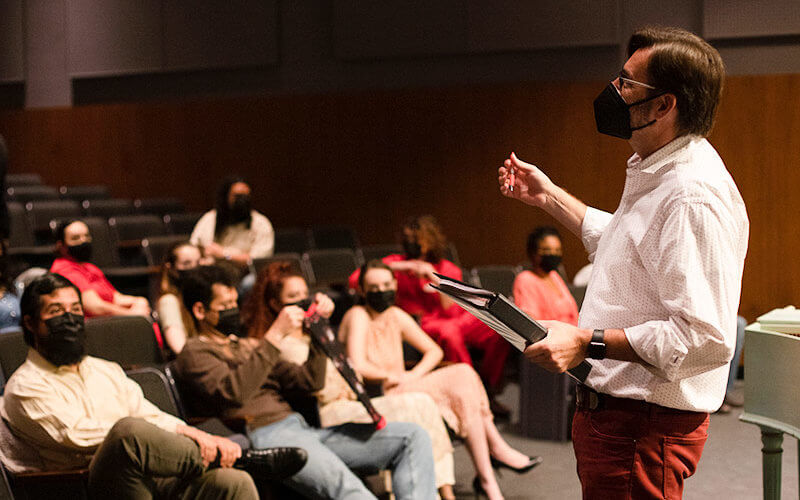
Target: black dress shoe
273 463
532 462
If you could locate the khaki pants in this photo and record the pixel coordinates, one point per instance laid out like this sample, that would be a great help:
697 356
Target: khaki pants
138 460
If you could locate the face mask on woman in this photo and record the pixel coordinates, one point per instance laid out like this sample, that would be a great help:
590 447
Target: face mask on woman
380 301
302 304
549 262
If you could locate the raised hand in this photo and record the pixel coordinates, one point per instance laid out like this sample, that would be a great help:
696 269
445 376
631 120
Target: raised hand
530 185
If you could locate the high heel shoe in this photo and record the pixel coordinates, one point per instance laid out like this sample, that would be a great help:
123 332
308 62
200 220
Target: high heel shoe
532 462
477 487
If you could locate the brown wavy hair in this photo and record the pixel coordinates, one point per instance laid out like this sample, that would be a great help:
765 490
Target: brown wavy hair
257 315
428 231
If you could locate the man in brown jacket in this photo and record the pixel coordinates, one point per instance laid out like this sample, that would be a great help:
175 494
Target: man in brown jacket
229 376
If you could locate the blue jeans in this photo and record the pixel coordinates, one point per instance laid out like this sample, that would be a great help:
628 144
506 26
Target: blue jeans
403 448
741 323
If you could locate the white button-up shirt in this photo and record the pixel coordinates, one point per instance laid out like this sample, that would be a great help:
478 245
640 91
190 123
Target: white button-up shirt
668 270
67 415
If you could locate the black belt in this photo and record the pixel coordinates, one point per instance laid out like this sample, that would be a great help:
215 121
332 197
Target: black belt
587 398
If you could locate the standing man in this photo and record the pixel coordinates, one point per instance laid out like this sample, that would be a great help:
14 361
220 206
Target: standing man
658 323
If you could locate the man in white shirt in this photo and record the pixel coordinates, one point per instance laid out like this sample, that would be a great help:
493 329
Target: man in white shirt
658 324
78 410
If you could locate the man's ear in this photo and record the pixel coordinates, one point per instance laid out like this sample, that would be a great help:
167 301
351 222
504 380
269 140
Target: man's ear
199 311
666 104
61 248
28 322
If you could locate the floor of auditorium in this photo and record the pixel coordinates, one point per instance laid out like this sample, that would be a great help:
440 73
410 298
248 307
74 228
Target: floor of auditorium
730 467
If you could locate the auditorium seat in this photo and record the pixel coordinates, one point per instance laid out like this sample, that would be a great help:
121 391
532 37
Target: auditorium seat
498 279
155 247
24 179
451 254
13 351
158 389
107 208
181 223
330 267
371 252
129 231
80 193
158 206
136 227
292 239
334 237
21 241
40 213
127 340
295 259
24 194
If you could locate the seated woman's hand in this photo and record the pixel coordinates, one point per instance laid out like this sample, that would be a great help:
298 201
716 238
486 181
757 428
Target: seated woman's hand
289 319
325 305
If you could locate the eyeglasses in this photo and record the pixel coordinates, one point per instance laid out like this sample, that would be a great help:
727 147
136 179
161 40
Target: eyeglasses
624 80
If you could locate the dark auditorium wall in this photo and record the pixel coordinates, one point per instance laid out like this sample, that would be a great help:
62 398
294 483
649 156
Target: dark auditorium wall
370 159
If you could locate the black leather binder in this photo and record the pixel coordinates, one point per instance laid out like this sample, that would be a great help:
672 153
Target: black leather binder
502 316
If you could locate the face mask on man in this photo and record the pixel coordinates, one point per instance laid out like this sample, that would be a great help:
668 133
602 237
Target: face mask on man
380 301
613 115
65 343
549 262
81 252
240 209
229 322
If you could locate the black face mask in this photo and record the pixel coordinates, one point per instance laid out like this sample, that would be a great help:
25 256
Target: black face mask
380 301
302 304
240 209
82 252
66 342
613 115
412 249
549 262
229 322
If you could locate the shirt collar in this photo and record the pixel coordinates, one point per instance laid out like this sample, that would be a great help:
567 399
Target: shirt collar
43 364
661 157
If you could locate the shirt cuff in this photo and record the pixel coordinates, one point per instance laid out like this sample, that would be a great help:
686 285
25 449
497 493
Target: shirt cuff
594 222
650 341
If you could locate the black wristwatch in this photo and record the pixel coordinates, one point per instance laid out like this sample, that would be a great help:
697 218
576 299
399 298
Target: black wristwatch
597 347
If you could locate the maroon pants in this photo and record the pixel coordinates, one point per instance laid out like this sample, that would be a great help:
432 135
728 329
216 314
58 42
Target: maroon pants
455 333
637 454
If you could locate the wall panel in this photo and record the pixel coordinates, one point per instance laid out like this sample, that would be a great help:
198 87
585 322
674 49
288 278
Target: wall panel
12 63
371 159
212 34
114 37
744 18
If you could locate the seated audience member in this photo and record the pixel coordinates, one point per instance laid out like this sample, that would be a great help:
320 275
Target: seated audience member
176 322
541 292
232 230
9 303
449 325
374 334
225 375
80 411
100 298
279 286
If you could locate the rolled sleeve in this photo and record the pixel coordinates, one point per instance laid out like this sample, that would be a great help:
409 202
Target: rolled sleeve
594 223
